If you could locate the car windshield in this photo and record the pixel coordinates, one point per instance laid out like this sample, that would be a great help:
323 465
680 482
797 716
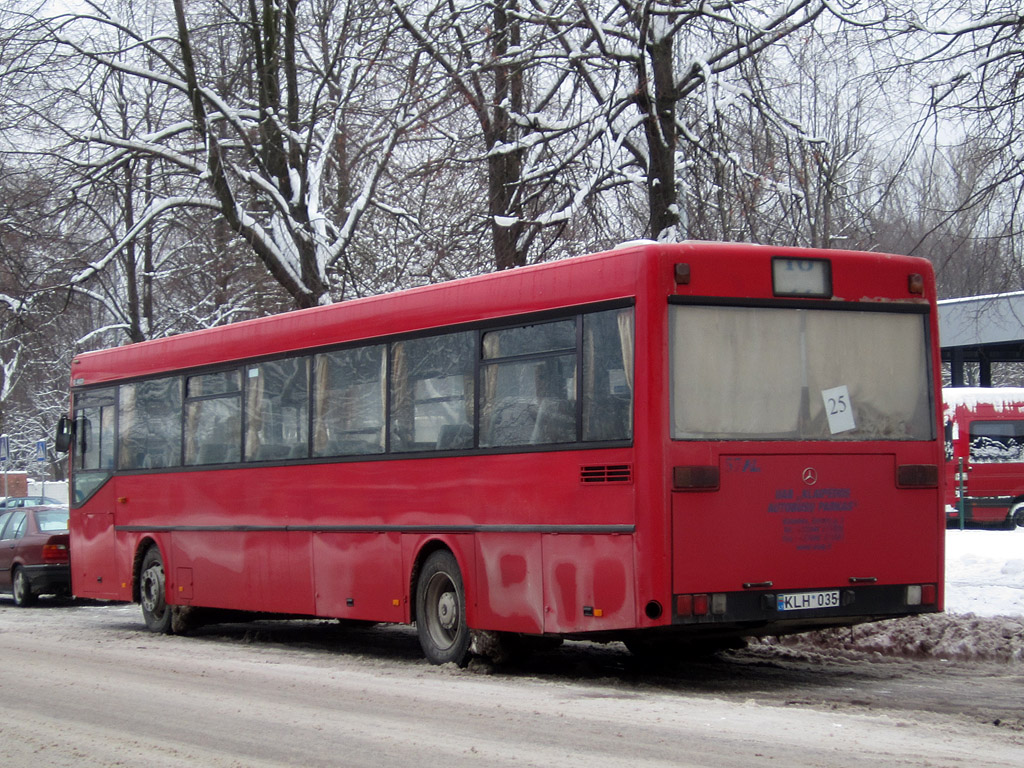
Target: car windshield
52 520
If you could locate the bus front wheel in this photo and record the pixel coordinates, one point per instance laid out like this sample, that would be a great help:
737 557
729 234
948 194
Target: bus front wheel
441 610
153 593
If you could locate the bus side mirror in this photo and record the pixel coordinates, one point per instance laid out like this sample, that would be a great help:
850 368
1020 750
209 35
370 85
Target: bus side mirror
65 434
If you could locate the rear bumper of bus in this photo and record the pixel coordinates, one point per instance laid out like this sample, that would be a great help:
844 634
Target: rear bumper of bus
800 609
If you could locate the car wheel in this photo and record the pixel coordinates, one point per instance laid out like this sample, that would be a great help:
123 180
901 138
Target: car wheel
1016 517
153 593
441 611
23 594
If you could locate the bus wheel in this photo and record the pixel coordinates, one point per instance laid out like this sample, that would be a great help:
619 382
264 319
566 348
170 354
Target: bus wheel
153 593
441 611
22 588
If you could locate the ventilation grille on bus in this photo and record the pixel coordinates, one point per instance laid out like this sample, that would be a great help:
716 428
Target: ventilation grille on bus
606 473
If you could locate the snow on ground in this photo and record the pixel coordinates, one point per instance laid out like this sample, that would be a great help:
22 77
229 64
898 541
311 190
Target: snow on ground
985 572
984 618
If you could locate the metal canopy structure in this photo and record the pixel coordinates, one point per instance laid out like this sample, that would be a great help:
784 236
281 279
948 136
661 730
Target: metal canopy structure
982 330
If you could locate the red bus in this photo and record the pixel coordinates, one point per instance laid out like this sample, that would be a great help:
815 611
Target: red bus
669 445
984 429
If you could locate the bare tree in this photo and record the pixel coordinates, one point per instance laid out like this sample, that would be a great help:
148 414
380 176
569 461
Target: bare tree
665 74
515 119
278 118
970 56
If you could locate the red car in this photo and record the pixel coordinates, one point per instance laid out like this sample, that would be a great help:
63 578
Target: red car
34 557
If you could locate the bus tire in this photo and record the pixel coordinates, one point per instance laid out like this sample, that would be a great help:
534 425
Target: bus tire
153 593
21 587
441 610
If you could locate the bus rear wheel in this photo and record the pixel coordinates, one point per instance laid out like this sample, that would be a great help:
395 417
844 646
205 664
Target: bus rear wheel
441 611
153 593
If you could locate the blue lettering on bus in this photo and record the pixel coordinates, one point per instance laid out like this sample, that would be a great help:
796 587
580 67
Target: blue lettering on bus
739 464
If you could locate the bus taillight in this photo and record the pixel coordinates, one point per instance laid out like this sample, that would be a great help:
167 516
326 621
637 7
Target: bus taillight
695 478
701 605
917 476
692 605
921 594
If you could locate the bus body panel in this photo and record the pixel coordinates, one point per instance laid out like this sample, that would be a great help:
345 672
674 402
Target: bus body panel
985 429
510 581
563 540
588 583
359 575
311 539
96 562
807 521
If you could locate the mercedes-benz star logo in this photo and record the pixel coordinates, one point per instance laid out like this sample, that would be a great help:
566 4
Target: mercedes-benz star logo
810 476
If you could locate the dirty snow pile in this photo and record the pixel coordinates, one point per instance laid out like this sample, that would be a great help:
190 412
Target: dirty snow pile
984 619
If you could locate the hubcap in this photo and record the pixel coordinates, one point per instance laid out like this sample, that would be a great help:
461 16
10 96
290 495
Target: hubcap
442 603
152 587
448 611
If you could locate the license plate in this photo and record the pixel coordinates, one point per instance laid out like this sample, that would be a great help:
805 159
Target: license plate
802 601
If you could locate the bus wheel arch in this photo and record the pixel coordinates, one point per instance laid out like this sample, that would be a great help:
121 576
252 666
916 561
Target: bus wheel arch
151 588
440 606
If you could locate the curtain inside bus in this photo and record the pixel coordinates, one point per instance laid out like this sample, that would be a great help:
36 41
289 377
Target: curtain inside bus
741 373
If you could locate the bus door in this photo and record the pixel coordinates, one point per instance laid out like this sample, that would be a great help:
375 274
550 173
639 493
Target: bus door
93 559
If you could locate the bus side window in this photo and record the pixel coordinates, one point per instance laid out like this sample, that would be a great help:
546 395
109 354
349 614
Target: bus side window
608 375
213 418
432 393
529 385
150 425
277 410
348 401
94 429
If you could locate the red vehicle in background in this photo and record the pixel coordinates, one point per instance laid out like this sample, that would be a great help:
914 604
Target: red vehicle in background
984 429
669 445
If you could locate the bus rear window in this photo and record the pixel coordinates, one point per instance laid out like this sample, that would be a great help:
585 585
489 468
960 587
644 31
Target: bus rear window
743 373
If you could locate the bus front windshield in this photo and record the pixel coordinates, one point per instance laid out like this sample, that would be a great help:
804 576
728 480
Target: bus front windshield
745 373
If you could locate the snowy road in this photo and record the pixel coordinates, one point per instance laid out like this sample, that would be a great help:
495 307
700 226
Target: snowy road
85 685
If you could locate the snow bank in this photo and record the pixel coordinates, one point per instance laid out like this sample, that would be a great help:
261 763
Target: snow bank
984 619
950 636
985 572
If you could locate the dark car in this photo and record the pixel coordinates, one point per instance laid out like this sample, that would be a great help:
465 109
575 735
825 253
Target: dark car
28 501
34 555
